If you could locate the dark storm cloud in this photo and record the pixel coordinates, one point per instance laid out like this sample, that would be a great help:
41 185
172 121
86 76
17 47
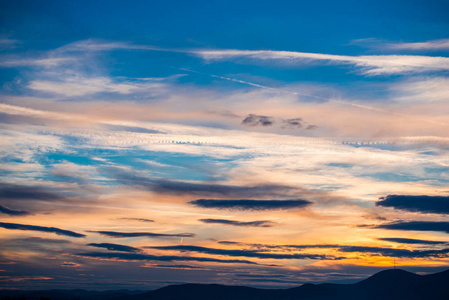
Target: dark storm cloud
13 212
257 120
15 191
411 241
41 229
263 223
245 204
138 219
144 257
413 203
243 253
115 247
292 123
414 225
117 234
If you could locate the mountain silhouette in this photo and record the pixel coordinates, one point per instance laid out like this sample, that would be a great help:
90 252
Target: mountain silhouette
386 285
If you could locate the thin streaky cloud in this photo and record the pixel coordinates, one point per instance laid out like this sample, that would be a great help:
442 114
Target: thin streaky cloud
15 226
145 257
369 64
117 234
441 44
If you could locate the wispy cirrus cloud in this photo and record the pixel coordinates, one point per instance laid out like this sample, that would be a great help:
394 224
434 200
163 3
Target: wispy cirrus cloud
441 44
369 64
15 226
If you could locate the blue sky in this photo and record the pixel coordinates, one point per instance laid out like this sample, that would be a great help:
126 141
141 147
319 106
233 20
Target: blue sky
306 141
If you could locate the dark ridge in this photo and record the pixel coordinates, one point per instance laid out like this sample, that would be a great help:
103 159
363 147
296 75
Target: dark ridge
393 284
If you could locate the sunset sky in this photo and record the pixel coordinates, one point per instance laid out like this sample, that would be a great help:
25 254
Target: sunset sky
258 143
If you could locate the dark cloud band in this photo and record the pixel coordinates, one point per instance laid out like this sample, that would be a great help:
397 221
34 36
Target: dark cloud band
411 241
414 226
138 257
12 212
243 253
413 203
41 229
251 204
239 223
115 247
117 234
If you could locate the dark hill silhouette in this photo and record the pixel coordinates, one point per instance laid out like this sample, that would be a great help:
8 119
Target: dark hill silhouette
389 284
395 284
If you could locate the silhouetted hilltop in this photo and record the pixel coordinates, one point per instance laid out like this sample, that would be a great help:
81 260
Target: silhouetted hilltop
386 285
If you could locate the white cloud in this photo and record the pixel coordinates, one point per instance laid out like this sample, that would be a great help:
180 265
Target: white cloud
442 44
35 62
423 90
83 86
370 64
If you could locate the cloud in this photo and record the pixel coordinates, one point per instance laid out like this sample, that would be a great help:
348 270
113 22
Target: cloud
15 191
115 247
238 223
257 120
411 241
13 212
141 234
442 44
41 229
390 252
394 252
417 203
422 90
369 64
70 264
137 256
185 267
173 187
251 204
7 43
9 62
243 253
414 226
75 86
131 129
292 123
137 219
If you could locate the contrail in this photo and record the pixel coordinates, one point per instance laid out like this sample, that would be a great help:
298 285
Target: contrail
307 95
282 91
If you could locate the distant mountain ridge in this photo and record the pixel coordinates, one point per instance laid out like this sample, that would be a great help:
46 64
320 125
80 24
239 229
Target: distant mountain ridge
385 285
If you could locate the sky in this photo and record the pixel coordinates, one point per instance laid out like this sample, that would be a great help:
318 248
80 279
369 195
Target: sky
258 143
